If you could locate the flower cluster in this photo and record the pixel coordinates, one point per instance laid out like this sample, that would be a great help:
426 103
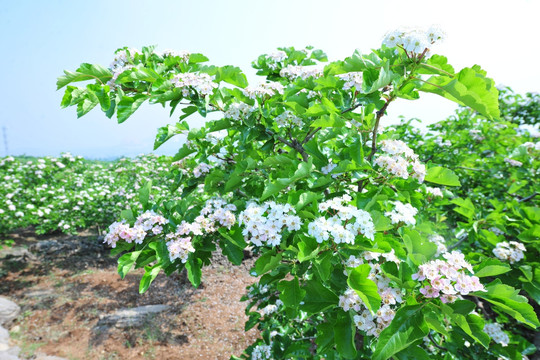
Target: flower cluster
179 247
344 224
216 212
509 251
287 118
262 352
266 89
414 40
440 242
147 222
202 83
152 222
238 111
402 213
372 324
447 277
495 332
201 169
352 80
439 141
273 59
293 72
264 223
271 308
398 160
436 192
513 162
183 55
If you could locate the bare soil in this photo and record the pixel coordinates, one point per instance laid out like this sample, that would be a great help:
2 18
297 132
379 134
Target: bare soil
63 297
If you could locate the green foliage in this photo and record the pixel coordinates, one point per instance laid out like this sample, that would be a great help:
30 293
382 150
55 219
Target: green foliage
336 214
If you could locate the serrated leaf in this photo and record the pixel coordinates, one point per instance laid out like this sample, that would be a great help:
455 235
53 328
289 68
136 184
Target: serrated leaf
469 87
344 331
507 299
318 298
150 273
406 328
127 106
84 73
364 287
290 292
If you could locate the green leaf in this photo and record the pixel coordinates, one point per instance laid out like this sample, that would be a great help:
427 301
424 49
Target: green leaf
267 262
144 194
290 292
365 288
473 326
233 244
183 152
168 131
386 76
470 87
84 72
150 273
491 267
308 248
197 58
464 207
406 328
328 120
126 262
344 331
442 176
194 266
318 298
413 353
128 105
507 299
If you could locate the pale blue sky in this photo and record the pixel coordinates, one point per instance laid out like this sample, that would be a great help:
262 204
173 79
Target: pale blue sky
41 38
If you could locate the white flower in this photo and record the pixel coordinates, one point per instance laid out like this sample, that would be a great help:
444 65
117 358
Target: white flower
202 83
402 213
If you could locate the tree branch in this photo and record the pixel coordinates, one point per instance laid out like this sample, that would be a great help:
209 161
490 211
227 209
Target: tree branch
293 144
530 197
435 343
380 114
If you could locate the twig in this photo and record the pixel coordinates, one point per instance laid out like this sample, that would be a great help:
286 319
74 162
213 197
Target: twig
472 169
380 114
310 136
530 197
435 343
293 144
458 243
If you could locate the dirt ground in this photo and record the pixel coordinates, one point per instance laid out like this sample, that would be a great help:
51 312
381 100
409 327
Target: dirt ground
62 299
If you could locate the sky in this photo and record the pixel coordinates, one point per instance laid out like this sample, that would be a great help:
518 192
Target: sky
42 38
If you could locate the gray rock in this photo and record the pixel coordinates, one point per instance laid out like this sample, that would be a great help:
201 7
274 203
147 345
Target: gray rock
7 356
42 356
4 336
17 252
8 311
41 294
124 318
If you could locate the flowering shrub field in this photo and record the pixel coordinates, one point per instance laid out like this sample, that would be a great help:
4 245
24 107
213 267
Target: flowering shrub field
371 243
67 193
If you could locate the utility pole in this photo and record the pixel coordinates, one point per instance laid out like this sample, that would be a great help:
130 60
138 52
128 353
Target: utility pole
4 130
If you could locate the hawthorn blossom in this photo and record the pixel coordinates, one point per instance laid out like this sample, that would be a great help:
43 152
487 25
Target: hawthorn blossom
262 352
287 118
237 111
268 89
202 83
294 72
345 223
265 222
201 169
513 162
179 247
414 40
353 80
447 279
436 192
398 159
402 213
496 333
509 251
372 324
